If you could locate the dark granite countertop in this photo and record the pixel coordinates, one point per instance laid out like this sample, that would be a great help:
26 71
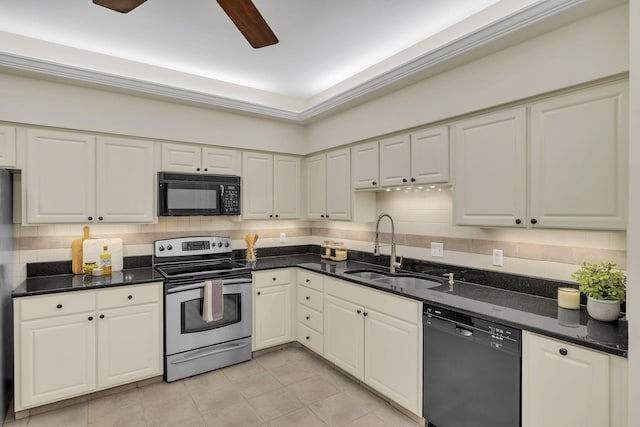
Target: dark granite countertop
521 310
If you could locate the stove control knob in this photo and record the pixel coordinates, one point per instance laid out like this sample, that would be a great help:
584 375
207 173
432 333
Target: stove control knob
169 247
226 244
219 244
161 248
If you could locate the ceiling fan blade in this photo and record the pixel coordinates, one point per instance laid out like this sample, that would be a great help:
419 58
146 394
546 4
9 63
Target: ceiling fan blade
122 6
249 21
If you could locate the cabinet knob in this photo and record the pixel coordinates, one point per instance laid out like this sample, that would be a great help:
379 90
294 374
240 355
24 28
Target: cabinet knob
413 180
90 318
308 337
197 169
563 351
59 306
273 279
534 221
327 216
102 316
359 311
365 314
130 297
258 292
518 221
307 280
90 218
307 298
404 179
206 170
321 216
100 218
374 183
308 318
276 215
270 216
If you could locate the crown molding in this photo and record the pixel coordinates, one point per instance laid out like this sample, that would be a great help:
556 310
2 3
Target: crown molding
481 37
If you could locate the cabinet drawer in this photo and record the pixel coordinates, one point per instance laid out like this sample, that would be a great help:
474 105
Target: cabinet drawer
310 298
313 281
310 338
310 318
128 295
272 277
57 304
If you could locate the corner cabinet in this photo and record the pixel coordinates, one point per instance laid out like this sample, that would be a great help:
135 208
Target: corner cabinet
8 147
570 386
73 343
271 186
574 157
74 177
195 159
273 308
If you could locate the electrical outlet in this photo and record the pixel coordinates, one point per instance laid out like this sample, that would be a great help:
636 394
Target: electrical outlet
283 237
437 249
497 257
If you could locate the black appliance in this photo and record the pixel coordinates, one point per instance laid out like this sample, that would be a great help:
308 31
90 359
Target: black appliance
471 371
193 345
182 194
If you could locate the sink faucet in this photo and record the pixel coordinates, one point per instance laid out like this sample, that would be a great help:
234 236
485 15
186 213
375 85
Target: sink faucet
376 248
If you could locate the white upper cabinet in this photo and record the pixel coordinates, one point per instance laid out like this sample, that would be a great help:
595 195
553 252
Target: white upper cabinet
578 159
430 156
419 158
329 185
70 178
490 169
195 159
395 163
125 175
270 186
364 165
8 146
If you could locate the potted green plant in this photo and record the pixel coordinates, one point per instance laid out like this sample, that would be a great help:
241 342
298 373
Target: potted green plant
604 287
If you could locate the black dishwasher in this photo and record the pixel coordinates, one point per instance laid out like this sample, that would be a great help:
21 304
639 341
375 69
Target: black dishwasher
471 371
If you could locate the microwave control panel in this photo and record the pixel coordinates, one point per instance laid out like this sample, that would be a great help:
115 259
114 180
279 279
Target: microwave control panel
230 199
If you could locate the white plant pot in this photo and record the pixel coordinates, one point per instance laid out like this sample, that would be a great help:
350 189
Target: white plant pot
603 310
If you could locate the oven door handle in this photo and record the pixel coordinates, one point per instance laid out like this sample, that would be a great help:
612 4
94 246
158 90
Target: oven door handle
205 353
201 285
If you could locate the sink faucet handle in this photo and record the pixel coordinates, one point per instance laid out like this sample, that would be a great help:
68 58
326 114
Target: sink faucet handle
399 263
450 276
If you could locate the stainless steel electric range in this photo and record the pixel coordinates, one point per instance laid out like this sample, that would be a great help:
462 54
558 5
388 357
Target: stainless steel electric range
193 345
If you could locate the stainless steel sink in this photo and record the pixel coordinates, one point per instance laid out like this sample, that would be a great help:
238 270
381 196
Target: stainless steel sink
399 281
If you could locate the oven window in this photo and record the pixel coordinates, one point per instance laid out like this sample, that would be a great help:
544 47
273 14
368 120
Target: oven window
192 314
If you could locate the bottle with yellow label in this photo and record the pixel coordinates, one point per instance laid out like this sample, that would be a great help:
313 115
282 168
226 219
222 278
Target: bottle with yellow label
105 260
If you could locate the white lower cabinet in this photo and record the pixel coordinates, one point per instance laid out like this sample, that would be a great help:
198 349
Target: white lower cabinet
377 338
310 310
568 385
273 303
66 345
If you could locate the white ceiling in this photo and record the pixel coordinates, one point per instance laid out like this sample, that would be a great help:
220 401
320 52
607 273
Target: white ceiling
327 48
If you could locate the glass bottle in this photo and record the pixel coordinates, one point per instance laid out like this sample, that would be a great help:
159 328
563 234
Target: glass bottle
105 260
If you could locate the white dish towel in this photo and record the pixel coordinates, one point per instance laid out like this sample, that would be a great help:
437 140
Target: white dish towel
213 302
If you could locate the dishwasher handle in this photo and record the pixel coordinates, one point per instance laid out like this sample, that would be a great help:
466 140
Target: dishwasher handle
463 331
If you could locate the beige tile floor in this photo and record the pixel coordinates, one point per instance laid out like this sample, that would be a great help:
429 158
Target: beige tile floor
287 387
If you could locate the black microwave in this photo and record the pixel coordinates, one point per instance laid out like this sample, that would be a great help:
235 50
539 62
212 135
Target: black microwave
183 194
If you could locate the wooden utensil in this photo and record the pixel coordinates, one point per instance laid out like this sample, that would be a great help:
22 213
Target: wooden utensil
76 251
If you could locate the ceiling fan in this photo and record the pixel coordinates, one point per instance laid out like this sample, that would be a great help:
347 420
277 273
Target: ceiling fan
243 13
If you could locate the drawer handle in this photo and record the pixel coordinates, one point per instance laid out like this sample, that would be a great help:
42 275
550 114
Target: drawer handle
59 306
308 317
90 318
130 297
102 316
563 351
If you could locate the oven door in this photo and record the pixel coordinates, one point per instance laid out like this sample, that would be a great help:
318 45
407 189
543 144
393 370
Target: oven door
186 330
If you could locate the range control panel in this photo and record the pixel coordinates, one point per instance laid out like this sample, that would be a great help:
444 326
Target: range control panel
187 246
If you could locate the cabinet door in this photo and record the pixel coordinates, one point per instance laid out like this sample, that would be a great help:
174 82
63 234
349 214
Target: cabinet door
273 316
563 385
394 161
129 344
60 177
125 180
316 187
430 156
339 184
257 185
344 335
56 359
364 165
8 146
579 160
286 187
490 183
391 358
220 161
181 158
